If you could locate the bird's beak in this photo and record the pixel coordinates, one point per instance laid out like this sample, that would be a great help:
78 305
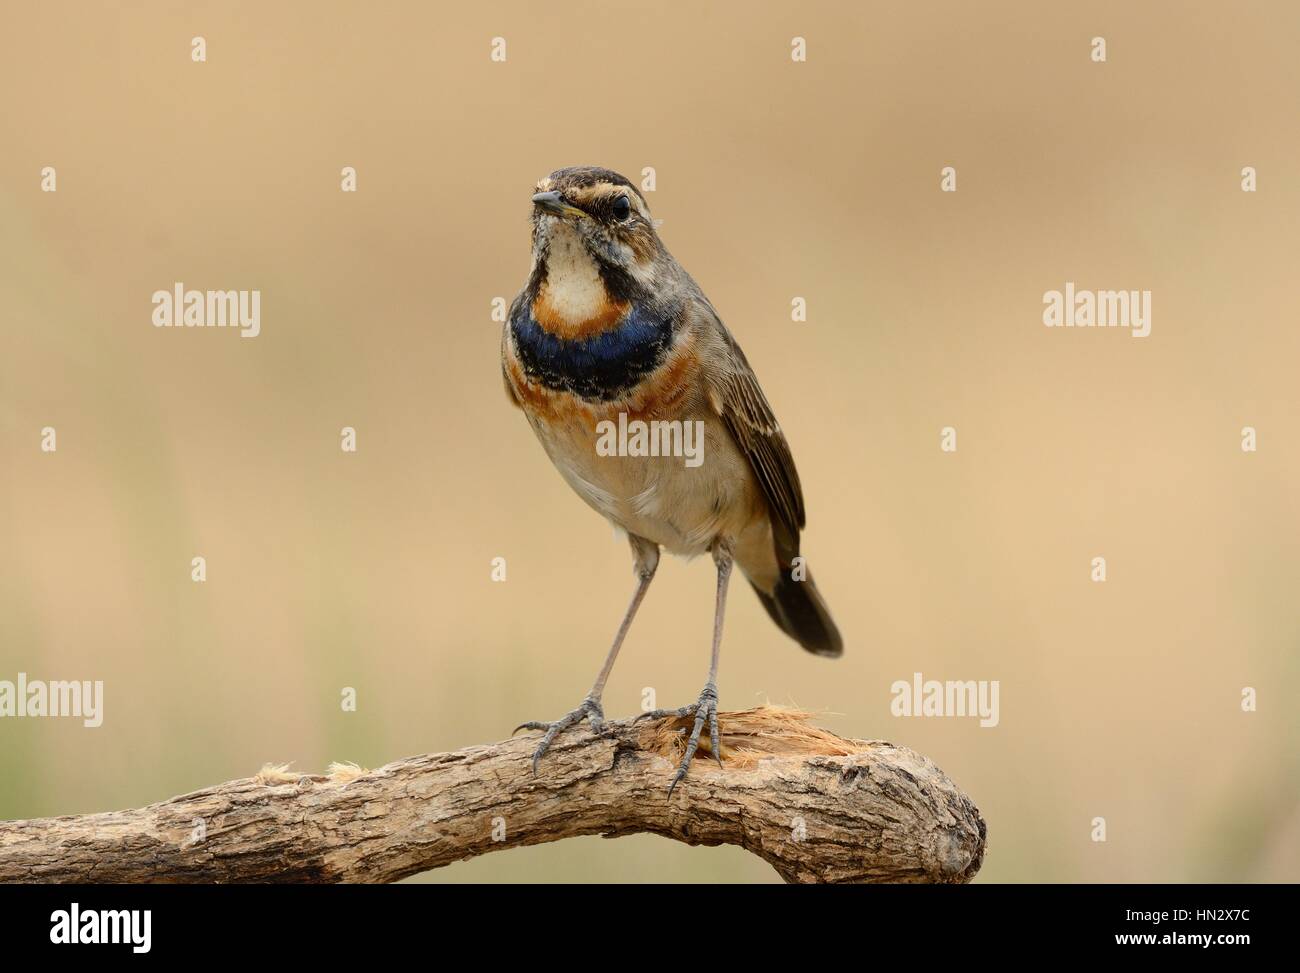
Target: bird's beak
554 204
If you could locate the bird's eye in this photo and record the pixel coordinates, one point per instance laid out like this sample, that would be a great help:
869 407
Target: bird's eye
622 208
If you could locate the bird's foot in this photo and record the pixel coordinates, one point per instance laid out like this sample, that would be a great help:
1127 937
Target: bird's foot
705 709
589 710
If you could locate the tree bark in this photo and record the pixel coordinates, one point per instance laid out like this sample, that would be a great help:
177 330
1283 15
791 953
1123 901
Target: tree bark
817 807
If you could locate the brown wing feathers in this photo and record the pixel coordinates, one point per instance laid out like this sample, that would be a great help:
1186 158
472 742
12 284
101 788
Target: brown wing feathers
749 418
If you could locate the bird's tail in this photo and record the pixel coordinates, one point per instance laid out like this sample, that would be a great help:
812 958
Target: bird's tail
798 610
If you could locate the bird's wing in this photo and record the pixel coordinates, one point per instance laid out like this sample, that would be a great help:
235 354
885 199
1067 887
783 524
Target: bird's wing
736 396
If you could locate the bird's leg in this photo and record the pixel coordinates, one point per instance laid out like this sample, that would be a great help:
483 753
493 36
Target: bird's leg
646 557
705 709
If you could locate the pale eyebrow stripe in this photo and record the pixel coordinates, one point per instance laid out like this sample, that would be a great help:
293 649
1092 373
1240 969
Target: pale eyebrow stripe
608 189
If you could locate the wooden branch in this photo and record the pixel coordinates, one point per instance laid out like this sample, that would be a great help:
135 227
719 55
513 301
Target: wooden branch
817 807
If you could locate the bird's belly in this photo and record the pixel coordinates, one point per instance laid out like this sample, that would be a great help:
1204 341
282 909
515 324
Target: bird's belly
681 502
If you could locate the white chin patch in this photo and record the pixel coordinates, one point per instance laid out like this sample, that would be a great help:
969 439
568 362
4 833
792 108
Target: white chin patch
573 286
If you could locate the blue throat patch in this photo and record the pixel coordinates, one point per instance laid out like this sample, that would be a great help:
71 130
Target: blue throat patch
600 367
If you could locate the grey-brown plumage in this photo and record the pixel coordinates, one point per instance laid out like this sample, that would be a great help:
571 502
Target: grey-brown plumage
608 324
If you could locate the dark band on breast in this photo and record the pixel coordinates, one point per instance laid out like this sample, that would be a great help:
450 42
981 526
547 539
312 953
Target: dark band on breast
600 367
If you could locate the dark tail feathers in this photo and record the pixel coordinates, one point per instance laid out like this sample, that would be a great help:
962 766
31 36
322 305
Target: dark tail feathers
798 610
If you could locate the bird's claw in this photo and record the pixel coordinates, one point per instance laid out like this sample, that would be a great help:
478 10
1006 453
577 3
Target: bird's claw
588 710
705 709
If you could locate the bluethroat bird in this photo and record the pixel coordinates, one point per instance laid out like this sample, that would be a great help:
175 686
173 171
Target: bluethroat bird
611 333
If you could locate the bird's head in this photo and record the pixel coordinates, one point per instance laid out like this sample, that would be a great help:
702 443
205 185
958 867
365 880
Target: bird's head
605 216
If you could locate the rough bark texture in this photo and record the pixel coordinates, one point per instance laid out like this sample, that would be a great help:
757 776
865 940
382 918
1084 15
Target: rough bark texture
817 807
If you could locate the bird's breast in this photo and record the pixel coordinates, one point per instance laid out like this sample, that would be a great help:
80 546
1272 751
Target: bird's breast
660 497
599 359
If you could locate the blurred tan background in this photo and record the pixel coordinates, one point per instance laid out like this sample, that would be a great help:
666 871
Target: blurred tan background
775 179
